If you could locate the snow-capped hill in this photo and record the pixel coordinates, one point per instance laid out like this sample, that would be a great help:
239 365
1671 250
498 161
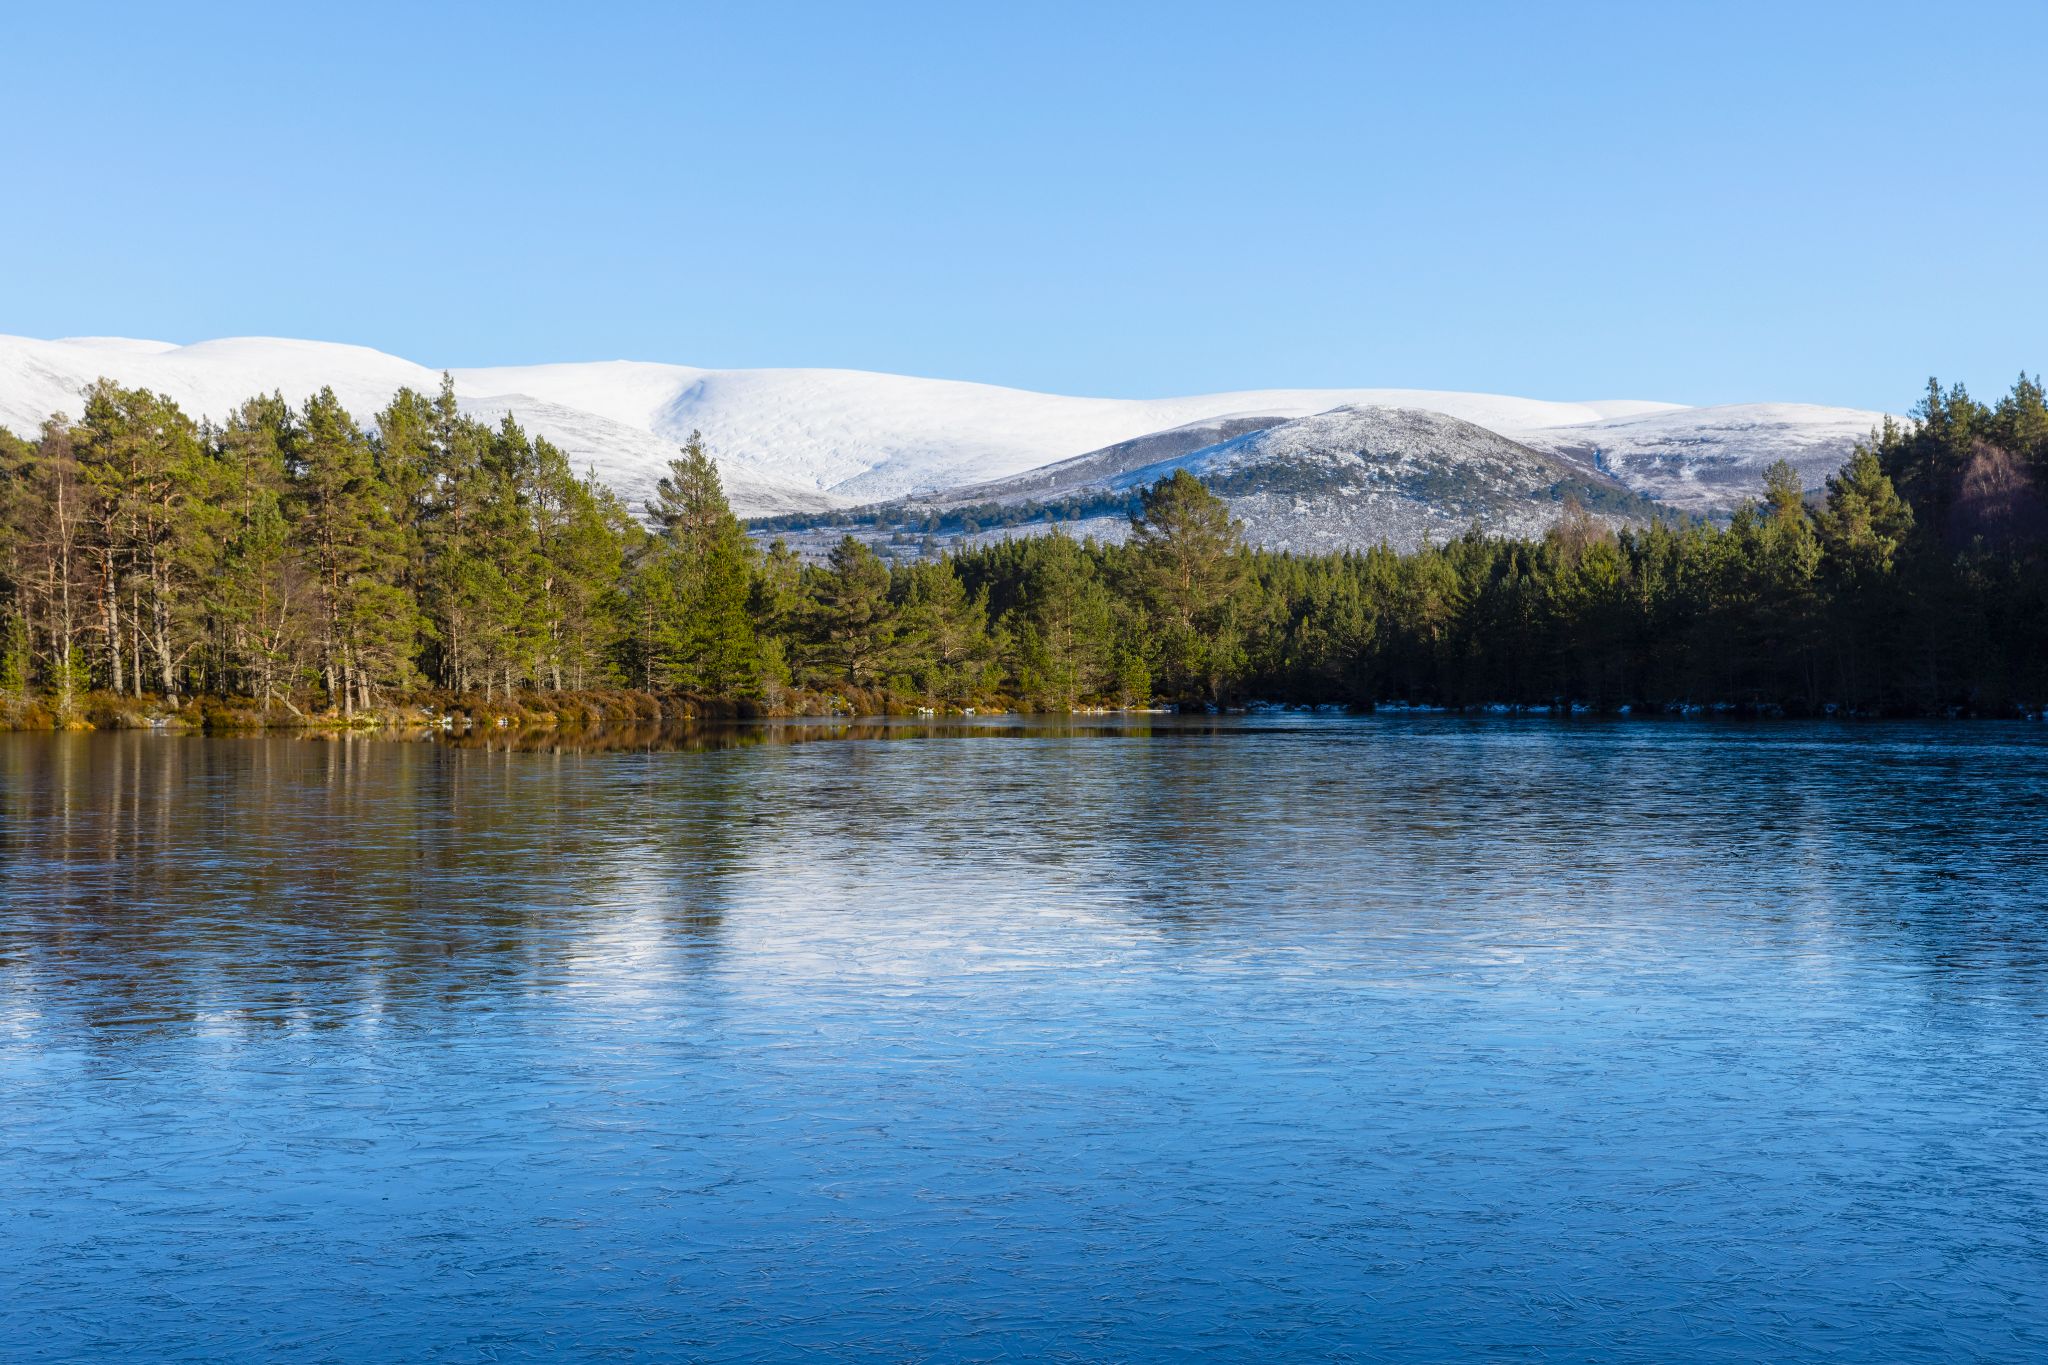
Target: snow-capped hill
134 345
866 437
630 459
1363 474
603 426
1099 468
631 393
1711 459
1386 441
783 438
1353 477
209 379
793 439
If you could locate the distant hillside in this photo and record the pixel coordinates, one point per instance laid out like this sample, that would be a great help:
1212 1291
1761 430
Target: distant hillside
1708 459
1358 476
1099 468
1351 477
805 440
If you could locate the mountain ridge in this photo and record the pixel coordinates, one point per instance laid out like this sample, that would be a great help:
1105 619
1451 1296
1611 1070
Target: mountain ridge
799 440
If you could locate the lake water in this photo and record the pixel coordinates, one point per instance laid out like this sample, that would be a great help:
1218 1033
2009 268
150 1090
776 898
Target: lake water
1374 1038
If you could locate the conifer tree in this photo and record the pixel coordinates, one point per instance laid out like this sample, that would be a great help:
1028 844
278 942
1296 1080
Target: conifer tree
367 621
1065 626
1186 563
145 460
581 530
944 632
19 506
1864 522
851 623
413 435
703 633
258 599
50 507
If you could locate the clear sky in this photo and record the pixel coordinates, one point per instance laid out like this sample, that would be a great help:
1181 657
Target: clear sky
1696 202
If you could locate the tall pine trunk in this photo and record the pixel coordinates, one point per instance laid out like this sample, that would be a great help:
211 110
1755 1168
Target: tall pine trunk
110 620
165 665
135 636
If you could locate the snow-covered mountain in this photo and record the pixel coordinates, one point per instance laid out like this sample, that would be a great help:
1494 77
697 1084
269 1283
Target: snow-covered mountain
1365 474
1101 469
795 440
1707 459
598 414
1353 477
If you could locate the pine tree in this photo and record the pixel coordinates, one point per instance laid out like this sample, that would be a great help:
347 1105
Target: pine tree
19 506
1065 624
582 531
343 516
689 503
2020 424
1185 556
944 632
703 633
51 508
1864 522
145 461
851 623
413 435
258 599
1862 528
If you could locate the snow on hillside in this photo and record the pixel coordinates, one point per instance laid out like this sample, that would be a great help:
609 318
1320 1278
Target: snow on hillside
1390 440
866 437
1364 474
1353 477
793 440
608 431
1709 459
630 459
1098 468
208 379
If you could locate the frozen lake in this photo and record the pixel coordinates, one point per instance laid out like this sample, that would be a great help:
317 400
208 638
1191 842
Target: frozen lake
1375 1038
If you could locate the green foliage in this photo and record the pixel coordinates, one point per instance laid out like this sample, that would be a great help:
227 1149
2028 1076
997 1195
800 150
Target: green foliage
289 553
1065 627
942 632
367 615
1185 567
849 626
694 584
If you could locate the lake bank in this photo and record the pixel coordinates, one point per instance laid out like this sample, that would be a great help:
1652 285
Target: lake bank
597 709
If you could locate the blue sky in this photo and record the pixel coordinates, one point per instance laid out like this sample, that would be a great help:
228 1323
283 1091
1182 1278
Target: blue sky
1702 203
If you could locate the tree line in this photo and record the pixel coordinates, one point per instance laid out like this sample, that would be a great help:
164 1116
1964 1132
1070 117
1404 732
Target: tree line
295 557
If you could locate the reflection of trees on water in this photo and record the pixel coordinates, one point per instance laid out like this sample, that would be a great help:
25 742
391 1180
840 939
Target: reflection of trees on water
1917 843
164 882
714 735
152 882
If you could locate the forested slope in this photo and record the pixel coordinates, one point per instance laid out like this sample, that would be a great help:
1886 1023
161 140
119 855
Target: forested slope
292 556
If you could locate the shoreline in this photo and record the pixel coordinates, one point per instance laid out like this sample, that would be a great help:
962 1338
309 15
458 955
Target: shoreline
594 710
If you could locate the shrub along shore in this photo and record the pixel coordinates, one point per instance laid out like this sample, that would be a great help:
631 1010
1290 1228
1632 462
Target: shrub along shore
530 709
292 568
